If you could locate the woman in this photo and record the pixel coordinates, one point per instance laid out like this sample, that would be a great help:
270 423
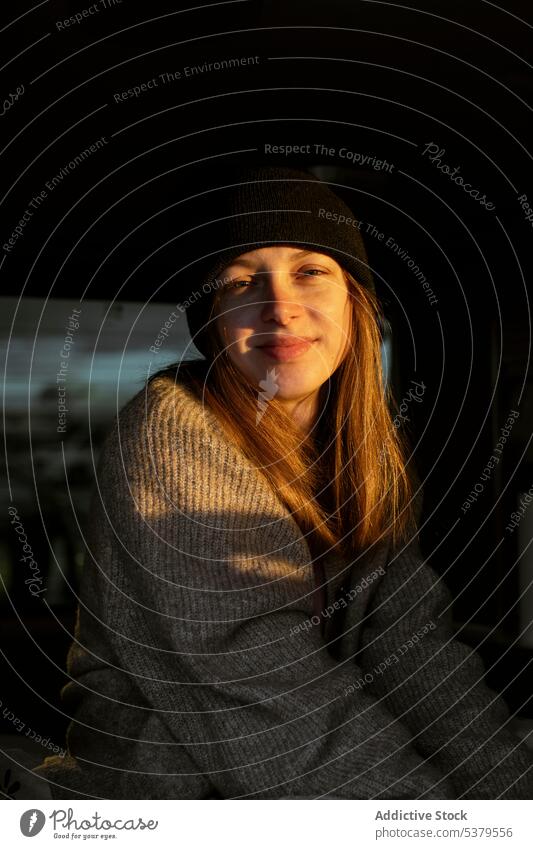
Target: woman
256 619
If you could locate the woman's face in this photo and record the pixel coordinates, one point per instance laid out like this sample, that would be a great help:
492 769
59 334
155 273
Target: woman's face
288 294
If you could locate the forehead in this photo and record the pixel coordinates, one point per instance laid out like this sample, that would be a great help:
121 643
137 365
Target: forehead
277 253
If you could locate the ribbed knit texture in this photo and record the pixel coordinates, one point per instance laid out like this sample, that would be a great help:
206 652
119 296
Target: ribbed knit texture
196 671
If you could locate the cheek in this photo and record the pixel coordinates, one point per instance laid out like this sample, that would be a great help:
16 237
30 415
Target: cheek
335 316
335 320
235 339
228 328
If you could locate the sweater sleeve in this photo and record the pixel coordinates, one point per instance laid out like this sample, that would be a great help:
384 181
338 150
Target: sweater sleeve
435 684
207 592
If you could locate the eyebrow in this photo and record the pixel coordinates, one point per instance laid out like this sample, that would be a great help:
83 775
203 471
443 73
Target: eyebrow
249 263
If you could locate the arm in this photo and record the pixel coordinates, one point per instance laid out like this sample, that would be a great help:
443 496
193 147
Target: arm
435 684
206 581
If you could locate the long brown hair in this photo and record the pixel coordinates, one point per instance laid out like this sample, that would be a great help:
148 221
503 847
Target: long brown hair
346 483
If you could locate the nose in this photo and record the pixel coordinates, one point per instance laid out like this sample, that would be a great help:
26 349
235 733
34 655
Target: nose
276 295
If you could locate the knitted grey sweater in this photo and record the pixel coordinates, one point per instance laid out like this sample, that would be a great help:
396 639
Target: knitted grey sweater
198 669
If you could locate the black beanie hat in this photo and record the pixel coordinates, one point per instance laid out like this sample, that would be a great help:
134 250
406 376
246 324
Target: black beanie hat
269 205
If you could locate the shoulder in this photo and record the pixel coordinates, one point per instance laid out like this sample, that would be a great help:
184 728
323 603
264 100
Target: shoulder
161 412
167 455
167 435
162 400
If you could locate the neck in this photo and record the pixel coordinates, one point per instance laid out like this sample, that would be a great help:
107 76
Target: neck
304 412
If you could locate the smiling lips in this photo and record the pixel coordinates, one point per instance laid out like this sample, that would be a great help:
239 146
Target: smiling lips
287 348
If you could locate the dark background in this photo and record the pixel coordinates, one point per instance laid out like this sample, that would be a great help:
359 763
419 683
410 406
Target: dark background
375 78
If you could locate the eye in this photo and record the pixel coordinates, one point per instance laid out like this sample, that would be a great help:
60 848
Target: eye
245 284
312 272
236 284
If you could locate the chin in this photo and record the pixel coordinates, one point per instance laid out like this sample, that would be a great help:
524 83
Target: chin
290 388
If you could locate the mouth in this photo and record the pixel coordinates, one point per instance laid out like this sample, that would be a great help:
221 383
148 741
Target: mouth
287 348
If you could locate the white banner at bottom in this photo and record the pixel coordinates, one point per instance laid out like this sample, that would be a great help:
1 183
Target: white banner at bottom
257 824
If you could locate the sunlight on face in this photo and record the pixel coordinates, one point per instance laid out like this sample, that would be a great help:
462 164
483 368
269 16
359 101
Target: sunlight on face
285 291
